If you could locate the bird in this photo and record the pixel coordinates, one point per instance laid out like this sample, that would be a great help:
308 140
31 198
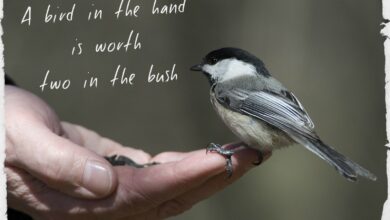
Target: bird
263 113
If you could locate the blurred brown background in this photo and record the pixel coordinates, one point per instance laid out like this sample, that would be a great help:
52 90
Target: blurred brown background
328 52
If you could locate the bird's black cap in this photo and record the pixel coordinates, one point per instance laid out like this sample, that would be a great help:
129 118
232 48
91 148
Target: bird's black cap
230 52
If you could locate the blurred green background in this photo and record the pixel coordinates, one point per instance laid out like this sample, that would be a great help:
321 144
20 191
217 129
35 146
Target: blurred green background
328 52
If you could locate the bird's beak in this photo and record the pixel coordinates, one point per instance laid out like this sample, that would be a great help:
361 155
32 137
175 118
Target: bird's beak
198 67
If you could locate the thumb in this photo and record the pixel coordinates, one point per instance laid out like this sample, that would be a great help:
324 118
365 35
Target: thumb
63 165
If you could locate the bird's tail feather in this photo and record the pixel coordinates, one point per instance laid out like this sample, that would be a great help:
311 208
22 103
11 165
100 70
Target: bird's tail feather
343 165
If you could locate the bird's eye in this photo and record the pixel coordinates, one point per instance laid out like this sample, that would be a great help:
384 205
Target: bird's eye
213 61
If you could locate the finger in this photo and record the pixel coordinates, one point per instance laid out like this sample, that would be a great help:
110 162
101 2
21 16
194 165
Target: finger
100 145
176 156
242 162
168 157
63 165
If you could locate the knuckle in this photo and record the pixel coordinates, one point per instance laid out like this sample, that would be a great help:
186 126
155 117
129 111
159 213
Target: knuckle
146 156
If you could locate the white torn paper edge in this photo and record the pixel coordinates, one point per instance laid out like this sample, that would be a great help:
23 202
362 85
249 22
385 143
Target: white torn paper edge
386 32
3 188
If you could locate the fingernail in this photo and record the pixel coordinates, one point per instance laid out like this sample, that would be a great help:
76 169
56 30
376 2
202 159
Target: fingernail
97 178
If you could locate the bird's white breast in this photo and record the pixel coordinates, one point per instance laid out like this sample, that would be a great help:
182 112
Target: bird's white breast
252 131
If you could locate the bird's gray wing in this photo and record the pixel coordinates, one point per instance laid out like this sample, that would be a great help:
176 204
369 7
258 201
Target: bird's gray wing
288 115
279 110
290 96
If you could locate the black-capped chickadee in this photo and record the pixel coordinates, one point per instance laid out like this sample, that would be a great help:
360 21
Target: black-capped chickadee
262 112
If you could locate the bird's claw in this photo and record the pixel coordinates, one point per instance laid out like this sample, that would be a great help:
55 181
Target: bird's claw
216 148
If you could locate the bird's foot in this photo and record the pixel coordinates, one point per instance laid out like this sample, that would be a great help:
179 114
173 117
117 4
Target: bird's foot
216 148
118 160
229 150
240 146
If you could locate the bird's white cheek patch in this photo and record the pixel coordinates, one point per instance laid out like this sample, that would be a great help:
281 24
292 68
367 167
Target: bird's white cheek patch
229 69
234 68
215 71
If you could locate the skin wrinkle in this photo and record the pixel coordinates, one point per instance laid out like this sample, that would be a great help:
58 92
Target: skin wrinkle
138 189
162 211
10 136
9 150
54 169
74 135
80 137
151 203
130 188
77 165
20 153
59 169
93 140
32 204
19 190
172 208
58 207
185 182
67 207
213 183
92 137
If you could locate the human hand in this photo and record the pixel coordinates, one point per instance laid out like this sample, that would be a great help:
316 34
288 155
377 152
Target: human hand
57 171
